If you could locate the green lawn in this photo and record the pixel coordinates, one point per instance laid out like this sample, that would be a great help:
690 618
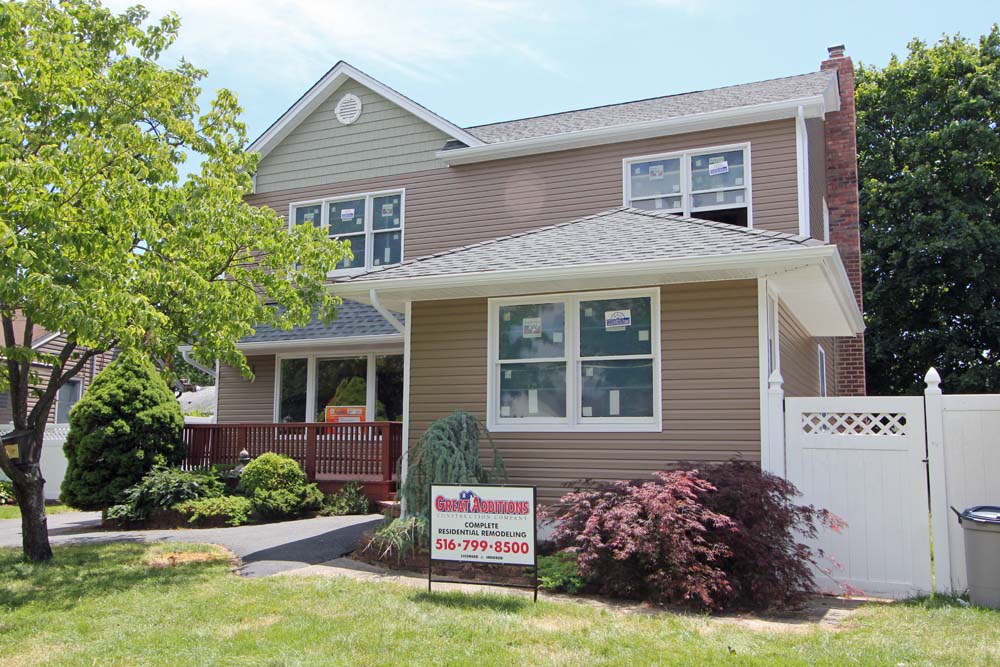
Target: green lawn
12 511
112 605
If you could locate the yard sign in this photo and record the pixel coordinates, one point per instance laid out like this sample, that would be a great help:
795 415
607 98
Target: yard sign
484 524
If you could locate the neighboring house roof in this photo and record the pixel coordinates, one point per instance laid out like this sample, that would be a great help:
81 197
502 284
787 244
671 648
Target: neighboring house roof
802 86
626 247
354 320
612 237
327 85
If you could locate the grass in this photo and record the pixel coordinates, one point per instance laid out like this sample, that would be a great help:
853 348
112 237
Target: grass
136 604
13 512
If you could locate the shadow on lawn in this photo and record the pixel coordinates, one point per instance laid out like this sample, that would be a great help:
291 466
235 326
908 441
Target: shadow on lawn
86 572
455 600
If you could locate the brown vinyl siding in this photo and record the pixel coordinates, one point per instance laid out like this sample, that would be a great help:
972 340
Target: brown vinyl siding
385 140
243 401
817 175
800 358
711 405
456 206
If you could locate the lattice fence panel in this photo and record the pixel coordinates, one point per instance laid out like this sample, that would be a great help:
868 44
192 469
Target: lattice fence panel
854 423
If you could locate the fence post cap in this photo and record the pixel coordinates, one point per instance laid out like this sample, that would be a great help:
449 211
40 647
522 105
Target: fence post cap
775 380
933 381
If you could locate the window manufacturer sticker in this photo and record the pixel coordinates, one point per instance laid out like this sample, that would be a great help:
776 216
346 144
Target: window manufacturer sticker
617 320
717 168
347 214
655 172
531 327
387 210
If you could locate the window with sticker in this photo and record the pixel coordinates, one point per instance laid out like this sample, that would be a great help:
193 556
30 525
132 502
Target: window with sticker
575 362
371 223
711 184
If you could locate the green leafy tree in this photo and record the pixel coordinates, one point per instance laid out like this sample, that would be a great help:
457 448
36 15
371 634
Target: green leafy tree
126 422
101 239
929 162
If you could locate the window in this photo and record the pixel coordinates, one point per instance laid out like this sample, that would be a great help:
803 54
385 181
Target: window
711 184
822 371
371 223
306 385
68 396
575 362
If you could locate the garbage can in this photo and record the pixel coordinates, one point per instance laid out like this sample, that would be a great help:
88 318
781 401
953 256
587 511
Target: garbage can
981 529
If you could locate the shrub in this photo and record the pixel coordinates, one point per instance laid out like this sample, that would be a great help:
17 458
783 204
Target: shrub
650 539
560 572
722 537
127 421
278 487
235 510
163 487
447 453
349 499
397 539
768 565
6 493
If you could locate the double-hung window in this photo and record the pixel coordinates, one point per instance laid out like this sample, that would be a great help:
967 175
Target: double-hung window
711 184
371 223
575 362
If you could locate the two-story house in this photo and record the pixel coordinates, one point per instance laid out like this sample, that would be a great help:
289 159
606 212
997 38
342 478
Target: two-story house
609 289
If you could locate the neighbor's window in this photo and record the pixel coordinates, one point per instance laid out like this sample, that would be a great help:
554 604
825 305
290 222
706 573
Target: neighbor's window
371 223
575 362
708 184
66 398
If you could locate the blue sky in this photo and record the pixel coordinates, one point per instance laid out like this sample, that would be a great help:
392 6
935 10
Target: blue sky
480 61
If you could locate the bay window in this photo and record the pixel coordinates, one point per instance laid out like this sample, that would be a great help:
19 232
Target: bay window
575 362
710 184
372 224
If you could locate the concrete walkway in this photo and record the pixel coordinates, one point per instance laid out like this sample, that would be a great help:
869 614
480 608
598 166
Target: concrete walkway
264 549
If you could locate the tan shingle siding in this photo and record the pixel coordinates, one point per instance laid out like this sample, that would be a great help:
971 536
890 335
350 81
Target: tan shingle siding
710 388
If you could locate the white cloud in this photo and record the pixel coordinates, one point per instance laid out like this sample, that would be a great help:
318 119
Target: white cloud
418 38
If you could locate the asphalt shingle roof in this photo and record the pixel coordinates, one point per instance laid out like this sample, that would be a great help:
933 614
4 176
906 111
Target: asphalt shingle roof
612 237
353 319
657 108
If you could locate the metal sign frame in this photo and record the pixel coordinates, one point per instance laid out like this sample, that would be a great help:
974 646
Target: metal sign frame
534 531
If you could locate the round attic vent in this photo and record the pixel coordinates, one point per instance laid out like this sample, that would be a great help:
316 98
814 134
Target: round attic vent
348 109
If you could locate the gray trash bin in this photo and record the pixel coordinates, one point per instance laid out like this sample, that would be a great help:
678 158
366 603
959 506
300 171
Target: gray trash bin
981 529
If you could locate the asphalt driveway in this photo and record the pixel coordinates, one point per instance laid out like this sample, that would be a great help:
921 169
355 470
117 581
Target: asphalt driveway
264 549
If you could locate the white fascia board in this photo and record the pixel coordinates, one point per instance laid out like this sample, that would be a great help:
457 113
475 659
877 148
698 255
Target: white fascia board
762 261
47 338
813 107
298 343
329 84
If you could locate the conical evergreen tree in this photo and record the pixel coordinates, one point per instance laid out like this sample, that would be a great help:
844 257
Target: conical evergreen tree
127 421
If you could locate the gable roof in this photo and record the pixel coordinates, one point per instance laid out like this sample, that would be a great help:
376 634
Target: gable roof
327 85
612 237
354 320
800 87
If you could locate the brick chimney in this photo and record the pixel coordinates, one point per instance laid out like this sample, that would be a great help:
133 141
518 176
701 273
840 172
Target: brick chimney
840 131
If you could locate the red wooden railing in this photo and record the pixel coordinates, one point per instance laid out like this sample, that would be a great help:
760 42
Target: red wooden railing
361 450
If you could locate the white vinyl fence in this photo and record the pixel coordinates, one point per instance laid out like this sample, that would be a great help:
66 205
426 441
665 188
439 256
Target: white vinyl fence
891 467
53 458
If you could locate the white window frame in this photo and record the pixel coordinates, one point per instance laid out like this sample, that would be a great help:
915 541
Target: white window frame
821 370
369 233
311 360
687 194
55 408
574 422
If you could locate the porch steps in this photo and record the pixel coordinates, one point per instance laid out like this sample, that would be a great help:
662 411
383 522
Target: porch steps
390 506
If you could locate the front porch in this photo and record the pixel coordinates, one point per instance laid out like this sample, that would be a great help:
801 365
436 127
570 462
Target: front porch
331 454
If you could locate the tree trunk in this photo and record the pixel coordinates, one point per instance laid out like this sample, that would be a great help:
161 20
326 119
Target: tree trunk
29 488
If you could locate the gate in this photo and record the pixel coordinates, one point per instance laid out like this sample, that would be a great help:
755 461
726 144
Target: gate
863 458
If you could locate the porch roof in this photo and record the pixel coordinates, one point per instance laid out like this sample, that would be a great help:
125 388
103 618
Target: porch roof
626 247
355 323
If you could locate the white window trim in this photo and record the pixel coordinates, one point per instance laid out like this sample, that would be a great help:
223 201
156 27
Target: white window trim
821 370
574 422
371 373
687 192
369 232
55 407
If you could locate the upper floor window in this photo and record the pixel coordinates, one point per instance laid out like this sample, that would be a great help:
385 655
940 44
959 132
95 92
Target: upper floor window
372 223
711 184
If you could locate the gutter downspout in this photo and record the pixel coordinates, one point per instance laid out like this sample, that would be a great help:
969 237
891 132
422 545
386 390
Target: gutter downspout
210 372
385 312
